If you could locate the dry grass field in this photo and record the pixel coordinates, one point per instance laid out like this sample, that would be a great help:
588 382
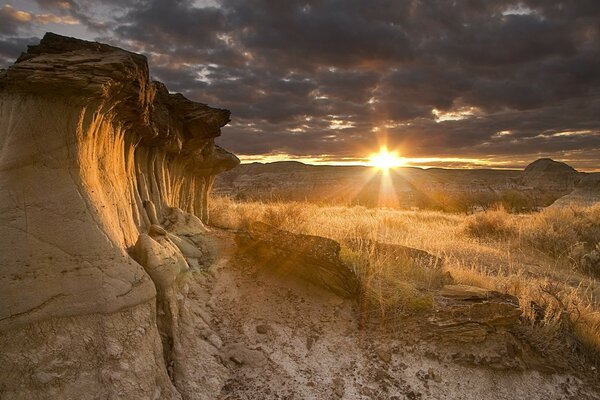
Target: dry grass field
539 258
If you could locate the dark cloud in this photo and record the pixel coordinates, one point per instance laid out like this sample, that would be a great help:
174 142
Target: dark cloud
11 47
12 20
494 80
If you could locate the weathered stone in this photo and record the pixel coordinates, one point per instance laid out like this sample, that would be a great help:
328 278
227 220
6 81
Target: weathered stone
161 259
468 313
179 222
311 258
93 153
240 355
585 194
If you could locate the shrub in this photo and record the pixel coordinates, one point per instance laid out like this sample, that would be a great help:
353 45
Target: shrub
495 224
285 215
558 231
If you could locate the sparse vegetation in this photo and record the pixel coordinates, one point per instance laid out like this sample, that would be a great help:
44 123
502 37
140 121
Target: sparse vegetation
535 257
557 232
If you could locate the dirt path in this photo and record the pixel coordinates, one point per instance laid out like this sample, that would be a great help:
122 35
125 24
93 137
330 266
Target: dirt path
283 339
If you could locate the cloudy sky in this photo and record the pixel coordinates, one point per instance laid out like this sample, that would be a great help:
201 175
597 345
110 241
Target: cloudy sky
446 83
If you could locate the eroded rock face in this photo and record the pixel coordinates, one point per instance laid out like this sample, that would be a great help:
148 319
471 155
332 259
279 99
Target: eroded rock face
586 192
312 258
92 155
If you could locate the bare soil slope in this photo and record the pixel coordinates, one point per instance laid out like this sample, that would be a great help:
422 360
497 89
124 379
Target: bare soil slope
284 338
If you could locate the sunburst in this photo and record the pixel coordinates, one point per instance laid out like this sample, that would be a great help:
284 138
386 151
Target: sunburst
385 160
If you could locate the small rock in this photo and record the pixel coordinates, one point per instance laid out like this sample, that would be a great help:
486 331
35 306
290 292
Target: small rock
215 340
431 374
384 354
310 341
338 386
240 355
262 329
422 375
236 360
45 377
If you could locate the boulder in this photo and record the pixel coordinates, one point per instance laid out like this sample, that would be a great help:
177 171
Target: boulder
314 259
179 222
160 257
468 313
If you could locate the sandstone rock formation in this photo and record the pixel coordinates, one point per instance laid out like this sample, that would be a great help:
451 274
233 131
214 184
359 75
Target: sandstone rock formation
311 258
94 157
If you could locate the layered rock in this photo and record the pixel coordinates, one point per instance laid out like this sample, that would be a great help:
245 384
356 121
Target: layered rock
92 155
314 259
586 192
468 314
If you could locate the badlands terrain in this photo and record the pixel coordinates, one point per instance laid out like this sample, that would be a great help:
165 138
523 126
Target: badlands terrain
540 184
119 279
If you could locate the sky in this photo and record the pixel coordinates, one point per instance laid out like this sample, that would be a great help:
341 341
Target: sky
458 84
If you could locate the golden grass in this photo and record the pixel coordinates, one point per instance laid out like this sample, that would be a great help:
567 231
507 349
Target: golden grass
532 256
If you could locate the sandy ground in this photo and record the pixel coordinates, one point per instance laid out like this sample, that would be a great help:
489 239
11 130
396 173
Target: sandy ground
284 339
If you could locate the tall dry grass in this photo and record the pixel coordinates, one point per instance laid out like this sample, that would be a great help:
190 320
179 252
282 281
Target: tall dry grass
532 256
557 232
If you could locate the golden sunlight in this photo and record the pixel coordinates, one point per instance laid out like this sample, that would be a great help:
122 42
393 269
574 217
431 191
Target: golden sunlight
385 159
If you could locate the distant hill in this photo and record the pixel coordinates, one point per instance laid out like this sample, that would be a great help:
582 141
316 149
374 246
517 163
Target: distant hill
539 185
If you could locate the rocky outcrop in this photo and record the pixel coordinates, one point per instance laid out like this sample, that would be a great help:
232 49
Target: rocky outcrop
586 193
314 259
94 157
551 176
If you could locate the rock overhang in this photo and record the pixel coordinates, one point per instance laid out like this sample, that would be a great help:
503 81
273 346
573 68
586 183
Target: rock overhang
86 72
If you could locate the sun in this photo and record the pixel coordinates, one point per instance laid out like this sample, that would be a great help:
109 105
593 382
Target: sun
385 159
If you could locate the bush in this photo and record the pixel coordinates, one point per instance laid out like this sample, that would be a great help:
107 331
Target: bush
288 216
558 231
494 224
